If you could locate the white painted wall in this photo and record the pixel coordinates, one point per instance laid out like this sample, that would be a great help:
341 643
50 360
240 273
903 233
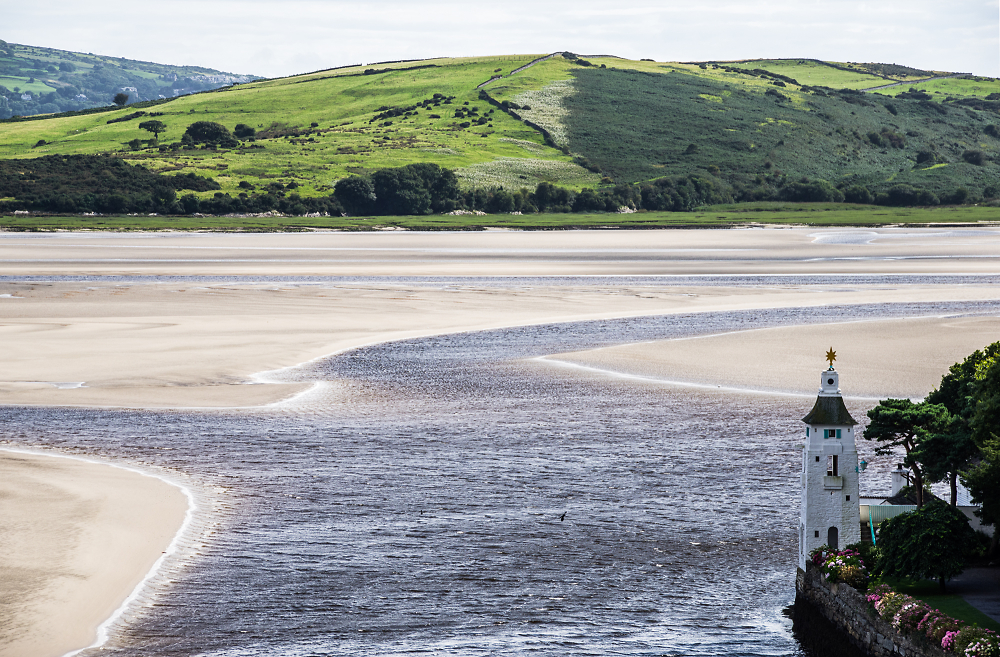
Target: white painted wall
826 501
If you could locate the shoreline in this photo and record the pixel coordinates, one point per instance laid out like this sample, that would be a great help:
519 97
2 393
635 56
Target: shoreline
119 547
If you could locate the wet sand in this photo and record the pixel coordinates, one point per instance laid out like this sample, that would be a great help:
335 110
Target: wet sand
184 344
77 539
176 343
884 358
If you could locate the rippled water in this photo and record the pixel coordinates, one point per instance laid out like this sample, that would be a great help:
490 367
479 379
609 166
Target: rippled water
449 496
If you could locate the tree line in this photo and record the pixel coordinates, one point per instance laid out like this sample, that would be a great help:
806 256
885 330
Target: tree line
95 183
953 435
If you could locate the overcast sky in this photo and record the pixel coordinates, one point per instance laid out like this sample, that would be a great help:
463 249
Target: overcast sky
283 37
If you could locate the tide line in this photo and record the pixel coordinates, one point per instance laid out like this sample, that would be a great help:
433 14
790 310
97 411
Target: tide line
681 384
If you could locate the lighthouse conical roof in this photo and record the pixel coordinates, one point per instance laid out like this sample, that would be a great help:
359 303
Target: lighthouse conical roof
829 407
829 410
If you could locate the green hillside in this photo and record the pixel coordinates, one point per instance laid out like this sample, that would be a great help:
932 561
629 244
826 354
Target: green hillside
35 80
792 130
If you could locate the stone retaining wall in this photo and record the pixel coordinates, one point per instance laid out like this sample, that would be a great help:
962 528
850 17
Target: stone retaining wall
847 611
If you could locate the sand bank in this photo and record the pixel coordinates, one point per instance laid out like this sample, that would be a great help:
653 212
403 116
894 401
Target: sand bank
166 342
77 539
163 341
885 358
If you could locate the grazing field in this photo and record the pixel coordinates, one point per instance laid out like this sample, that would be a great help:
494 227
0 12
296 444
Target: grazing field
753 130
814 73
316 128
971 87
723 216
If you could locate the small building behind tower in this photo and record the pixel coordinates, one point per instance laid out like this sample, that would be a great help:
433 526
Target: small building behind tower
830 513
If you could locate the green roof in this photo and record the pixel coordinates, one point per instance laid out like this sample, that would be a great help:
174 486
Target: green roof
829 410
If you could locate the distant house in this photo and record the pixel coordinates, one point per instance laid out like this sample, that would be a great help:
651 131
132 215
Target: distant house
130 89
79 97
25 96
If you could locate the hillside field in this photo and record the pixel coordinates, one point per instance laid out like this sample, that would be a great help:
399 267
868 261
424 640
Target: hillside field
754 128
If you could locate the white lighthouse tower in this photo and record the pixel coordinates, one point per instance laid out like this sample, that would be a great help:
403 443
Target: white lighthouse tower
830 513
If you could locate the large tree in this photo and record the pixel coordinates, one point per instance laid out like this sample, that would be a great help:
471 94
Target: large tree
945 451
902 423
983 479
121 99
156 127
932 542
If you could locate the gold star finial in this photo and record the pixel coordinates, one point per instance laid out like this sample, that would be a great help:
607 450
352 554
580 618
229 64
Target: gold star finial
831 356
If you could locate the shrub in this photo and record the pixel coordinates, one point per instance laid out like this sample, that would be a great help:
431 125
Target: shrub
976 642
817 191
356 194
931 542
992 131
907 619
890 604
858 194
500 202
904 195
464 124
841 566
936 624
243 131
974 157
208 132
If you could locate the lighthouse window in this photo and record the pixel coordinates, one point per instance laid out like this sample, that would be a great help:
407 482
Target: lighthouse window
816 534
807 432
831 466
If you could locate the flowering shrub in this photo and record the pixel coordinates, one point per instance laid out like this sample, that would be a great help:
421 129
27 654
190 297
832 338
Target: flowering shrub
976 642
841 566
890 604
911 616
935 625
908 618
876 593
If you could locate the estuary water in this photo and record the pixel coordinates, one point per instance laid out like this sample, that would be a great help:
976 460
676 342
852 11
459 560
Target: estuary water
452 496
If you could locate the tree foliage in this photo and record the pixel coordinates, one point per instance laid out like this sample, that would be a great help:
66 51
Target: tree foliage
121 99
932 542
156 127
901 423
209 132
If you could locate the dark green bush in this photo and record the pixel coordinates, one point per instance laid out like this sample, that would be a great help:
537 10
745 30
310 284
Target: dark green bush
208 132
858 194
243 131
974 157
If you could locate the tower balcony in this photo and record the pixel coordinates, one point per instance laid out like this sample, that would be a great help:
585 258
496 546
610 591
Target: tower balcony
833 483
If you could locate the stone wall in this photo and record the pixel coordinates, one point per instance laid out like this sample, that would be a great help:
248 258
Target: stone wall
818 603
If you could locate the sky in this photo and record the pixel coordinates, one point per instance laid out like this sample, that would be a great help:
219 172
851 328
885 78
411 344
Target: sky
283 37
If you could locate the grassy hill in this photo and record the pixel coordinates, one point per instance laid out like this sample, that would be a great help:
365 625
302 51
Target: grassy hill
755 128
35 80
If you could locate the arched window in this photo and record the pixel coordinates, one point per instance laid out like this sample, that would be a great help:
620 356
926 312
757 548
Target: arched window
832 538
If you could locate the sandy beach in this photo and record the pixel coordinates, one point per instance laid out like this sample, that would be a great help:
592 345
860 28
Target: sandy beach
162 341
879 359
111 320
77 538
